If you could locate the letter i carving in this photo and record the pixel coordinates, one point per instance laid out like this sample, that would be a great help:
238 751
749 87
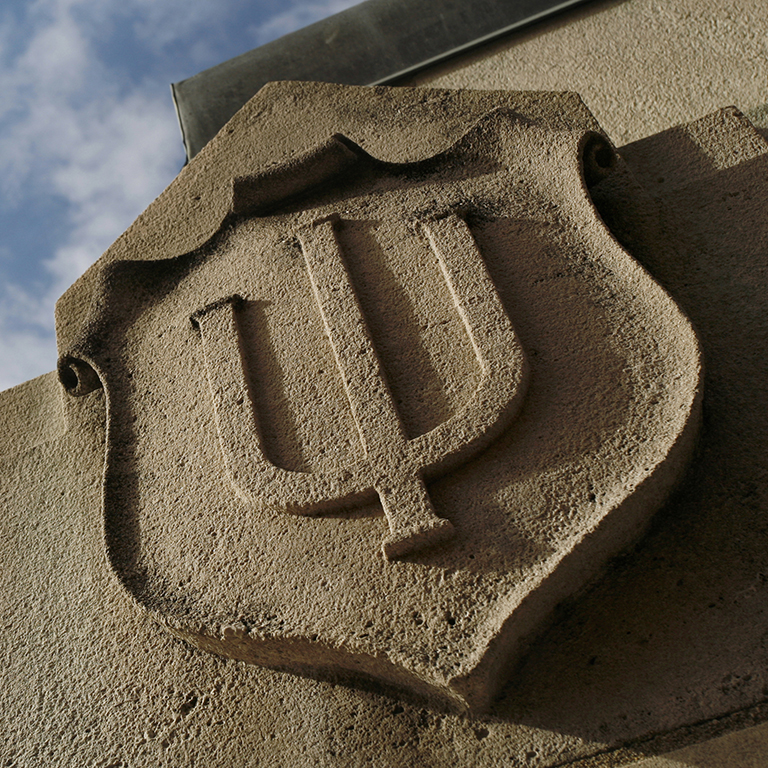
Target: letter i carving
393 466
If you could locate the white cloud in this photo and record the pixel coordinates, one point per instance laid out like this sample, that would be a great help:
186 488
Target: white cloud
88 133
123 157
160 24
74 133
23 343
21 352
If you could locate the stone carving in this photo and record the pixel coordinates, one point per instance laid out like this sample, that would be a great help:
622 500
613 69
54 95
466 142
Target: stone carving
374 360
393 464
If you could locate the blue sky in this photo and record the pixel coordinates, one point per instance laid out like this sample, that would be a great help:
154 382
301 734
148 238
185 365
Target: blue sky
89 137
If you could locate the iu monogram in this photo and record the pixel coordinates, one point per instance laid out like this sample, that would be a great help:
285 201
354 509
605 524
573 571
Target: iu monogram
391 465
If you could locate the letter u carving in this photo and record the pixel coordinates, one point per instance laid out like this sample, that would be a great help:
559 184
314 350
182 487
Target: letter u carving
392 466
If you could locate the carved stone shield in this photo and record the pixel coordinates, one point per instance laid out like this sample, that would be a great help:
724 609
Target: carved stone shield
388 414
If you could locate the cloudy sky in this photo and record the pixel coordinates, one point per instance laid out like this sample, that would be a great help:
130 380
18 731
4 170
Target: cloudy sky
88 134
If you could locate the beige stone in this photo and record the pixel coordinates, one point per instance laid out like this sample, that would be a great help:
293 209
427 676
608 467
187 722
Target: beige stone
422 187
641 66
744 749
342 347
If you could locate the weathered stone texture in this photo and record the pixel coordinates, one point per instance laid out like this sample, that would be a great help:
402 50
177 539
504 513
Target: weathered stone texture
672 635
641 66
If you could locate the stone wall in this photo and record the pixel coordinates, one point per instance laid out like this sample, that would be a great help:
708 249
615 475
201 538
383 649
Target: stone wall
113 651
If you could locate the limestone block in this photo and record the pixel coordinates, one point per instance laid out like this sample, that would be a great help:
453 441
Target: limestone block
356 407
454 339
743 749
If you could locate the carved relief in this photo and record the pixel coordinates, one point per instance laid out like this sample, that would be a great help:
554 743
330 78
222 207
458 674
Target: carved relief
393 465
450 360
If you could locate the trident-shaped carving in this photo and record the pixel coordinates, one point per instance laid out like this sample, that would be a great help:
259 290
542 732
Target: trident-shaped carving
393 466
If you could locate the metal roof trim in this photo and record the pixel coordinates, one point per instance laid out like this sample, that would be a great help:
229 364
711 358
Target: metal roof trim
373 43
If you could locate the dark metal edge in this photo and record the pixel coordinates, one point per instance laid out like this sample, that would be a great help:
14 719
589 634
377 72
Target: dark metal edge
374 43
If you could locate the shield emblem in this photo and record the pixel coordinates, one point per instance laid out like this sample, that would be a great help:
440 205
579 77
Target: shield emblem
389 415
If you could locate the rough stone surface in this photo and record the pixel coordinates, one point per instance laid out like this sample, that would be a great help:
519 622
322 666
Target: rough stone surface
641 66
332 350
744 749
674 633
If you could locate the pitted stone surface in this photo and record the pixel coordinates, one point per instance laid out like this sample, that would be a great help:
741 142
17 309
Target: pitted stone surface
672 636
356 340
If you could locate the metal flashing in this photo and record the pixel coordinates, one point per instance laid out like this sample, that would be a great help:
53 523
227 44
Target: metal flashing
373 43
